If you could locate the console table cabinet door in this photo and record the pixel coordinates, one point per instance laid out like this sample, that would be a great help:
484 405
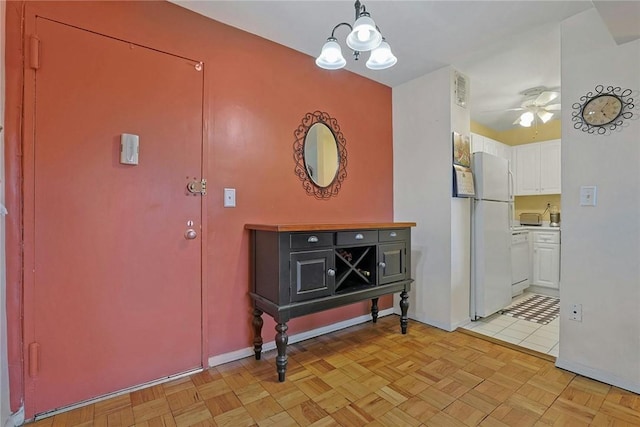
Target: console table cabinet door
312 274
391 262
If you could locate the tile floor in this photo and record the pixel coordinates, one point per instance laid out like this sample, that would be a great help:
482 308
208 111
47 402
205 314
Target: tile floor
542 338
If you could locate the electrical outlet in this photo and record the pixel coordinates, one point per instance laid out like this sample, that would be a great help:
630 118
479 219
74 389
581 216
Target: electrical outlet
575 312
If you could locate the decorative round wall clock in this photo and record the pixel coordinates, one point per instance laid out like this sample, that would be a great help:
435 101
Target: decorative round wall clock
603 110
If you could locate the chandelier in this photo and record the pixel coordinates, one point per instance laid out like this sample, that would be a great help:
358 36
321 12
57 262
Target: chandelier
365 36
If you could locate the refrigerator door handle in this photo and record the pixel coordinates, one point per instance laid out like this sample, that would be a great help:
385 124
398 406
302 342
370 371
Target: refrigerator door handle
511 189
511 216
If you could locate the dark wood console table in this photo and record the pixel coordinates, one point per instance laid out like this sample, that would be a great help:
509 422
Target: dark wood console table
300 269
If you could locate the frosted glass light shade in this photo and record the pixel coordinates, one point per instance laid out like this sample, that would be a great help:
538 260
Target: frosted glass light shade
545 116
381 57
364 36
331 56
526 119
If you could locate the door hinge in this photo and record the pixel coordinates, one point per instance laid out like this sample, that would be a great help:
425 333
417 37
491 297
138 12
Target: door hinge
34 359
197 187
34 52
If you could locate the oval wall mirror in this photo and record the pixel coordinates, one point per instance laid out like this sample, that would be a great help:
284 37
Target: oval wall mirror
321 155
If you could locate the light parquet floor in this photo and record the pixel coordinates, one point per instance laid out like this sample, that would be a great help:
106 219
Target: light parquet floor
371 375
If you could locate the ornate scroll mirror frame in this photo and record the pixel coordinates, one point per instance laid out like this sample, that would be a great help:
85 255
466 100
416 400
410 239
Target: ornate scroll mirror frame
306 168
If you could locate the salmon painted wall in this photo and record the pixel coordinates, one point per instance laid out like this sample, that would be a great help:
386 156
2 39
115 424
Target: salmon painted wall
256 93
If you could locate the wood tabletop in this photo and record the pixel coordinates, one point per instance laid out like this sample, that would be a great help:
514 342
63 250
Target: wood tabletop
328 227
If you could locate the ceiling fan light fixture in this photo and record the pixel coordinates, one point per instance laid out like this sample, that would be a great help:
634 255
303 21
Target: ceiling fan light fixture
536 107
364 36
331 56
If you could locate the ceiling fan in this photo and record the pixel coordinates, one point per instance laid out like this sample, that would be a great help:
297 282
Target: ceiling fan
536 106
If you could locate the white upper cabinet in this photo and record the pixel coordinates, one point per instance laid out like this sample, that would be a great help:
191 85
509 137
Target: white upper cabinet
527 169
550 167
485 144
491 146
477 143
537 168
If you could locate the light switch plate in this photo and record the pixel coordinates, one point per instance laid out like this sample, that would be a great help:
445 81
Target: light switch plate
229 197
588 195
129 149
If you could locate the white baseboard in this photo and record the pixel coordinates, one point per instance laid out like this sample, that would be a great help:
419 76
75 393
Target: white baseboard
108 396
543 291
16 419
461 323
423 318
267 346
598 375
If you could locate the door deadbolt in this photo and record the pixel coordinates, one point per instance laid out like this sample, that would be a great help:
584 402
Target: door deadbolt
197 187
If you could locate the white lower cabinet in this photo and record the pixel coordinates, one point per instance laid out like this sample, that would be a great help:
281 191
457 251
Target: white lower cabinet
546 259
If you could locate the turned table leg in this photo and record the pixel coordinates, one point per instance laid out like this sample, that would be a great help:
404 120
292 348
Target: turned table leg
257 332
404 307
281 343
374 309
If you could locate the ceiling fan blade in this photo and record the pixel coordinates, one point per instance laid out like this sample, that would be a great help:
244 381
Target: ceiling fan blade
552 107
500 111
545 97
545 116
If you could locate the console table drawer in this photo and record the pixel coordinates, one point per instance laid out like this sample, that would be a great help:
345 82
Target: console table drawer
357 237
310 240
393 235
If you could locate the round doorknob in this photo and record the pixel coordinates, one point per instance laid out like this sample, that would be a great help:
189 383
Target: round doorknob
331 272
190 234
382 265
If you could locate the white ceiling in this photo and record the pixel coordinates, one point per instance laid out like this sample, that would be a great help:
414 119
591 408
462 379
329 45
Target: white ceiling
504 47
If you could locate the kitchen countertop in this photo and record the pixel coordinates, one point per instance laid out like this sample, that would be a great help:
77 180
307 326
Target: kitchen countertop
544 227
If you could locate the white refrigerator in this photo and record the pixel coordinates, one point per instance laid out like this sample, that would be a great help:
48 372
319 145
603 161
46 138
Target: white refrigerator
491 236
